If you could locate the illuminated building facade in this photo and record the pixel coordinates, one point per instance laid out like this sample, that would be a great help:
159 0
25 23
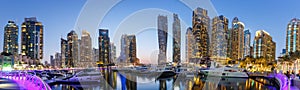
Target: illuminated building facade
104 47
292 36
64 52
11 32
264 46
201 24
86 49
236 40
32 39
73 49
219 38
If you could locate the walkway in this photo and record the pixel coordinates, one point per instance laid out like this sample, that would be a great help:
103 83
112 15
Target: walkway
296 84
21 81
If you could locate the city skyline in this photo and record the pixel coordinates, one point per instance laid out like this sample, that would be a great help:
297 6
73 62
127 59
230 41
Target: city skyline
280 41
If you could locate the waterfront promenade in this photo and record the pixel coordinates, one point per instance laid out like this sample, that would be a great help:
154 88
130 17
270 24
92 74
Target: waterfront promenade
297 83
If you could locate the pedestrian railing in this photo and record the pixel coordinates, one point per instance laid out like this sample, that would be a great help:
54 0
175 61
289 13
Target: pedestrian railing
26 80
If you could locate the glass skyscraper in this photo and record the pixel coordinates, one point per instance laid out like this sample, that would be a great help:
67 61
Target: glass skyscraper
162 25
132 58
113 52
128 49
73 49
247 42
104 47
124 51
190 44
11 32
176 39
32 39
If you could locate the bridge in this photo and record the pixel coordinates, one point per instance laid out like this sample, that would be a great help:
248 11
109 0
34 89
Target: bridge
25 80
279 80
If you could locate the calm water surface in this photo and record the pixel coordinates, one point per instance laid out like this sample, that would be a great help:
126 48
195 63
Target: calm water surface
114 80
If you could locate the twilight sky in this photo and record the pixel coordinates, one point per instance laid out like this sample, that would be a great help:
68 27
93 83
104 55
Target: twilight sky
139 17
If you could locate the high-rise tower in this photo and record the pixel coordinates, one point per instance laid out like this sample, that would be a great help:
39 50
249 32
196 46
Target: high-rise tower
219 39
32 39
176 39
104 47
200 31
162 24
11 32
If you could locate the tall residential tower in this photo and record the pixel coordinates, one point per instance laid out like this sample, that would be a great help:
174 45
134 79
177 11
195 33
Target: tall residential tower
32 39
264 46
236 40
73 49
104 47
11 44
219 39
292 36
86 50
201 24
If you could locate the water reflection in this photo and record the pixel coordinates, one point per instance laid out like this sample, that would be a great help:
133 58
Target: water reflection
114 80
110 79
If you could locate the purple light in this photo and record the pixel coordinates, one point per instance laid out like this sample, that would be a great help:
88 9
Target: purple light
282 79
26 81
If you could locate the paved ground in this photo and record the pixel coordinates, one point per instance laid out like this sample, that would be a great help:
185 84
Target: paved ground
6 84
297 83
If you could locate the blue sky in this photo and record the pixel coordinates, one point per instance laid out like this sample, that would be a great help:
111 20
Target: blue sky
60 16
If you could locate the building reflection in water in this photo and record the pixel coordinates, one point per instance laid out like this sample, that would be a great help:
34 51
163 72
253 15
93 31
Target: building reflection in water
128 82
181 82
162 85
110 78
131 81
230 84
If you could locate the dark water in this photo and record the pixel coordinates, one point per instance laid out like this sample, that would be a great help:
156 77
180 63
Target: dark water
114 80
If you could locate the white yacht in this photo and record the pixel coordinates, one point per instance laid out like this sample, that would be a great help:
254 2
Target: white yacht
225 72
187 72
